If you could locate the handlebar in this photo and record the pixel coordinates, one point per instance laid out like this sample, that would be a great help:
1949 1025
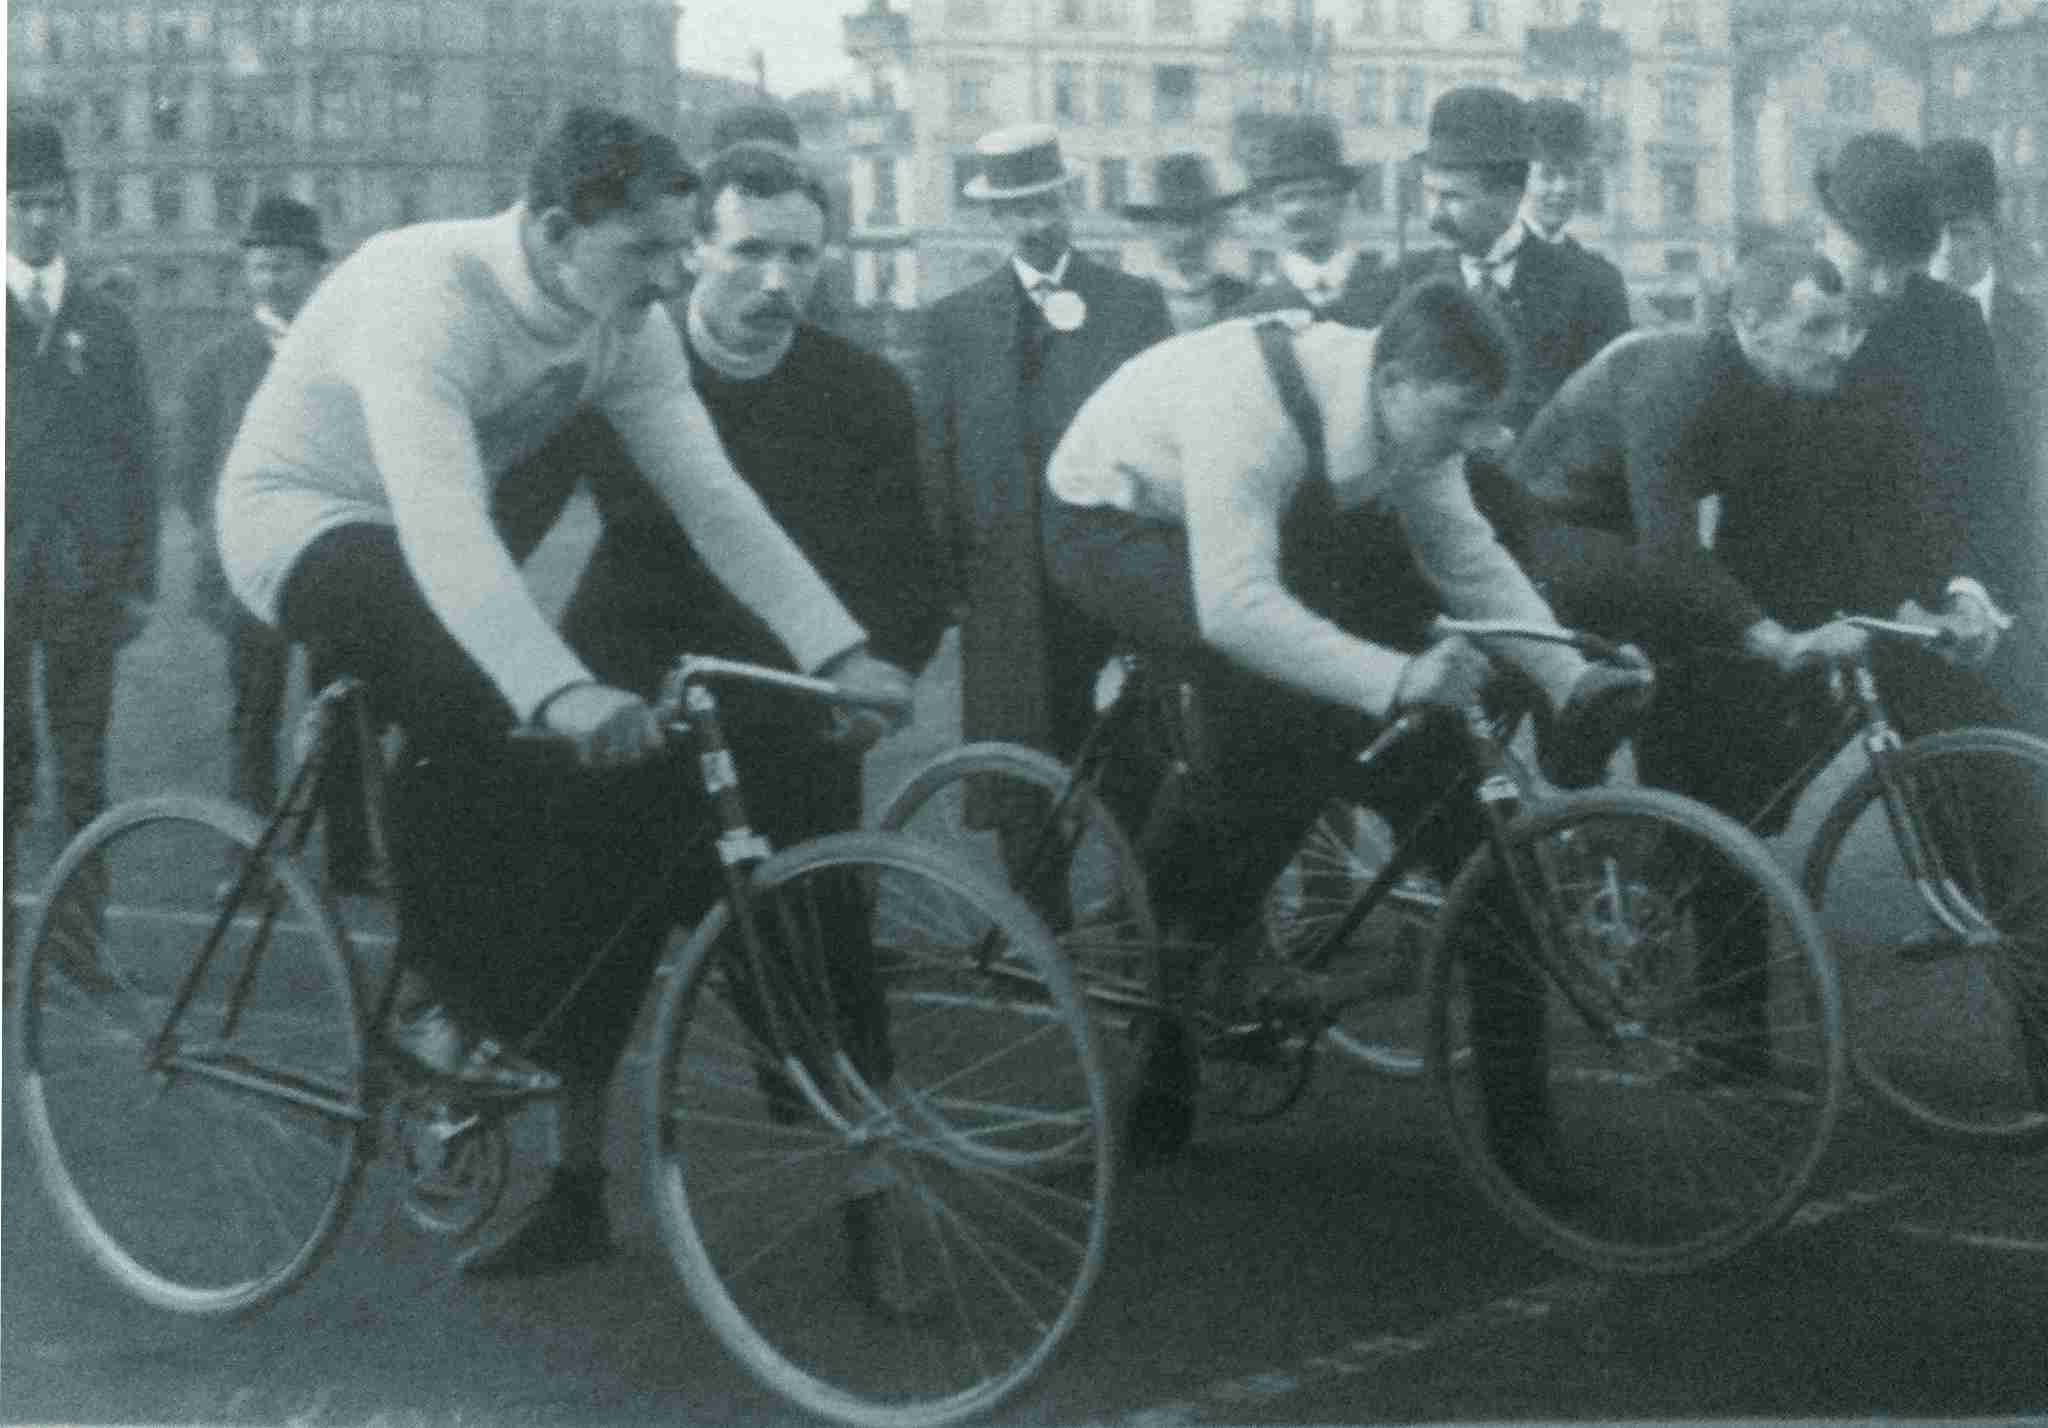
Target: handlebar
1928 635
690 672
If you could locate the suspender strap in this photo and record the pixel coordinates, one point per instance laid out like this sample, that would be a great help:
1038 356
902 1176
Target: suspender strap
1276 345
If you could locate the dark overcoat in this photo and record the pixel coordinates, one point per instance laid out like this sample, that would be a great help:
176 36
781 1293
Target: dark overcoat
1367 291
222 377
989 430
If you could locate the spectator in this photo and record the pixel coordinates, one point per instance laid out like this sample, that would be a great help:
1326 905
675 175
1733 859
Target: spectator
1300 176
1561 144
81 492
1182 223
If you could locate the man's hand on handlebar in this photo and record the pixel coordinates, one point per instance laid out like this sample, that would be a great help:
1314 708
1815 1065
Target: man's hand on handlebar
1450 674
609 728
1969 628
860 673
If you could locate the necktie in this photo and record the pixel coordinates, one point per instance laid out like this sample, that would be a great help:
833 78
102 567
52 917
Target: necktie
38 307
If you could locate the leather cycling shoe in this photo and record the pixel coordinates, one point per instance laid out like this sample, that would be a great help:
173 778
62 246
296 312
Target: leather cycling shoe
1162 1116
430 1041
565 1228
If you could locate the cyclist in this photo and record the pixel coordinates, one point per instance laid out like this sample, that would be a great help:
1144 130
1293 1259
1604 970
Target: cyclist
355 515
1285 549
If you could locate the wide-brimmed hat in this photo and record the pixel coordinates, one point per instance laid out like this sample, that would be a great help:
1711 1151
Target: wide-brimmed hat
1296 147
1877 189
280 222
1018 162
1559 132
1964 177
1475 126
1183 190
35 154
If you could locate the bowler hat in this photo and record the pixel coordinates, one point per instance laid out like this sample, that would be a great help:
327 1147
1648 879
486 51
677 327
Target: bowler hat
757 123
1964 177
1018 162
1474 126
35 154
1183 189
1558 131
1876 188
1300 146
281 222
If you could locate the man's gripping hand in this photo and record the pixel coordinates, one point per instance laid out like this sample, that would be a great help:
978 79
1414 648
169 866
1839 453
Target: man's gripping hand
858 672
1970 626
609 728
1450 674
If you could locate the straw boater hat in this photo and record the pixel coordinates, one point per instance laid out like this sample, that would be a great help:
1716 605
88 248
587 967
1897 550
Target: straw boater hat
1298 147
1019 162
1476 126
1183 190
1877 189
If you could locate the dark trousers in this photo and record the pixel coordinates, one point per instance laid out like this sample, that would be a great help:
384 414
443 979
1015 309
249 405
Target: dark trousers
259 667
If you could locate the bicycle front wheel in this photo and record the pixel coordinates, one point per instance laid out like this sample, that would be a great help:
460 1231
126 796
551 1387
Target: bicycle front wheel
1659 1092
1944 959
201 1144
877 1141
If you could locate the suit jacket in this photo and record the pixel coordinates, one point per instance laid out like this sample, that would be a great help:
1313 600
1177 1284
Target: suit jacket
1225 294
218 385
2019 339
81 468
1366 294
1565 304
989 430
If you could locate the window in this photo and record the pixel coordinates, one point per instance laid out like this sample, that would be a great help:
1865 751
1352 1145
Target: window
967 14
1113 14
970 95
335 25
1408 107
136 31
1115 175
1592 190
1173 93
405 24
1173 16
1681 262
1369 77
1681 22
337 115
1681 105
1365 19
1550 12
106 31
230 200
1067 105
409 117
104 209
1962 80
888 198
227 280
330 198
408 198
1850 91
167 106
1480 17
1070 12
2023 145
1681 194
1408 16
167 202
1372 188
103 115
1109 97
169 281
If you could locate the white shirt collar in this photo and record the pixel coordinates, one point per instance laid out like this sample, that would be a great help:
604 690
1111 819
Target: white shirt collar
267 318
1030 277
1535 230
1325 279
21 277
1981 290
1500 258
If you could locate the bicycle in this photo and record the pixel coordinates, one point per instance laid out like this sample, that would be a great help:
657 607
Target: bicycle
1705 1134
1930 877
881 1171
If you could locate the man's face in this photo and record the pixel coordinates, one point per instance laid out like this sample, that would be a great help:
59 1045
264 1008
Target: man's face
757 266
1967 244
1463 210
1553 192
1428 420
1036 226
280 278
1185 245
1874 283
1804 347
1311 215
619 267
38 221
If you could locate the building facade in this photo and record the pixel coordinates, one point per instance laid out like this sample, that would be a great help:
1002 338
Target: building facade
1988 80
179 114
1128 81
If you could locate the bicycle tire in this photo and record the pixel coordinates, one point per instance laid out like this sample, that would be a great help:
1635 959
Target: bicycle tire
1343 852
217 1180
1102 918
1689 1116
895 1218
1949 1034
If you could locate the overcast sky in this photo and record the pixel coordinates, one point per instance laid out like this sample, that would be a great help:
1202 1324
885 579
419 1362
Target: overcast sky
800 38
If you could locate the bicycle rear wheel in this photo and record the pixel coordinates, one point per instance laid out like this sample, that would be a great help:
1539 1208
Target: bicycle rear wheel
1079 872
1381 1023
879 1156
1681 1112
1948 1028
204 1158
